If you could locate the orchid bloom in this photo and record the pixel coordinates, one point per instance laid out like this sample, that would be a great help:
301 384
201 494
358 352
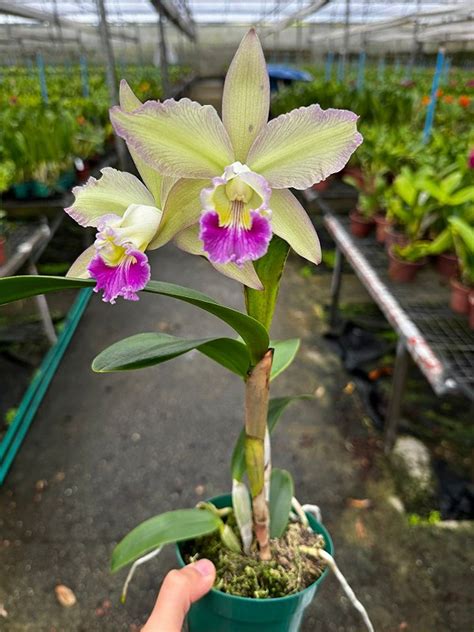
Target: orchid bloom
132 218
245 163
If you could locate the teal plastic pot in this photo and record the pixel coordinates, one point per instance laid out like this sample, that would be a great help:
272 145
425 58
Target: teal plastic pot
221 612
40 189
22 190
66 180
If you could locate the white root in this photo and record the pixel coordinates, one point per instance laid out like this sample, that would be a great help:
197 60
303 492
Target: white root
347 589
299 511
315 511
135 565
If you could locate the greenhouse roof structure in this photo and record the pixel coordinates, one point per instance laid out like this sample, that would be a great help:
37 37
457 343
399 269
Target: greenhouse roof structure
327 24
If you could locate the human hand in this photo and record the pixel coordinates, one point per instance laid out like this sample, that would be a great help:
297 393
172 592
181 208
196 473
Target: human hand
179 590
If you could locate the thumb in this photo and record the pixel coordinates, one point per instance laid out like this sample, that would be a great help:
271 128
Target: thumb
179 590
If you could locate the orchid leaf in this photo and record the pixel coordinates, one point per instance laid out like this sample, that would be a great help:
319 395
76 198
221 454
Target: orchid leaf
282 491
283 355
169 527
261 303
246 97
276 408
149 349
251 331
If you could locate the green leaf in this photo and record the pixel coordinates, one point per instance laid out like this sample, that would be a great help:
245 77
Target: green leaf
465 232
251 331
276 408
261 303
172 526
284 353
281 492
148 349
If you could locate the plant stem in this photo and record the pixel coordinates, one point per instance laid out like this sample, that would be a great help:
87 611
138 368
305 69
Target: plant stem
256 409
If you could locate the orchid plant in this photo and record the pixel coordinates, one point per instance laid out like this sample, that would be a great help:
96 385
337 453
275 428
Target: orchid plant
218 189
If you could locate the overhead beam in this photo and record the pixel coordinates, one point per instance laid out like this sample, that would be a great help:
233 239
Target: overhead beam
29 13
170 11
381 25
284 23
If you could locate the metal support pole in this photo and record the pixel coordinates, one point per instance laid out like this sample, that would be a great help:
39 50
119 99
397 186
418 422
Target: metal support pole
110 74
43 310
345 51
395 404
335 288
165 81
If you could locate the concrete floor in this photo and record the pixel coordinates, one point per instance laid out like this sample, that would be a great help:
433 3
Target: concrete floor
108 451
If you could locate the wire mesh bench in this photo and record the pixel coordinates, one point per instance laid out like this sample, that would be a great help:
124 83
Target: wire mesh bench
439 341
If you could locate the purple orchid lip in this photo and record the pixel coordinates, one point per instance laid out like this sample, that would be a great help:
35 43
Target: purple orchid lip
125 280
233 243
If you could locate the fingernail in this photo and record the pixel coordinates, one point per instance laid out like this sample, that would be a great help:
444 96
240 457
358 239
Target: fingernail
204 567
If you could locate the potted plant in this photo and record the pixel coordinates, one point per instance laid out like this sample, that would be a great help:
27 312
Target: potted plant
463 238
409 208
406 261
370 188
219 189
452 198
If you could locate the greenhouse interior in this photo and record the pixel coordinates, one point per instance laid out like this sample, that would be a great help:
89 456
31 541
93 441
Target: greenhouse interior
276 198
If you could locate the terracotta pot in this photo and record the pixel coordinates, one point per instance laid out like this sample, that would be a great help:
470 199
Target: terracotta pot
471 310
403 271
381 226
459 297
322 186
447 265
393 236
360 226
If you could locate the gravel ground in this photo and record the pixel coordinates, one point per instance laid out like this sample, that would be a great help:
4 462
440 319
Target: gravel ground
108 451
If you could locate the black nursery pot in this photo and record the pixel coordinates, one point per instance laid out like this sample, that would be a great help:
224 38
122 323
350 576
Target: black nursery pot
222 612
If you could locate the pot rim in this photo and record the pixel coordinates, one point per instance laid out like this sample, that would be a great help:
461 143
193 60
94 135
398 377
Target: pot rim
459 285
356 216
268 600
416 264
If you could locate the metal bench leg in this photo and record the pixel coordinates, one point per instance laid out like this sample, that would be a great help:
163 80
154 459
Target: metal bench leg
43 309
395 404
335 288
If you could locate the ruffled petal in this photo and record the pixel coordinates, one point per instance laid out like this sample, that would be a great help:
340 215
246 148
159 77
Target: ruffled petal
189 241
153 180
178 138
304 146
124 280
246 98
112 193
291 222
233 243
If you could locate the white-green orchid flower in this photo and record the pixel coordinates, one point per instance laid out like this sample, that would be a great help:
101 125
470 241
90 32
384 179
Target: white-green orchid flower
246 163
131 219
